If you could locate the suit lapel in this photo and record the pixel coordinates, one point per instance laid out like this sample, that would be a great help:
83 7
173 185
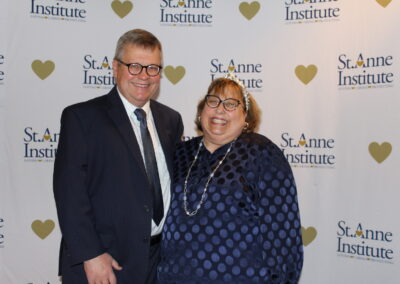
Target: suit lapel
164 133
118 115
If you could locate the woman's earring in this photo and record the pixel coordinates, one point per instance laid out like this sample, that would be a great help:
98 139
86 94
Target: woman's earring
246 126
198 118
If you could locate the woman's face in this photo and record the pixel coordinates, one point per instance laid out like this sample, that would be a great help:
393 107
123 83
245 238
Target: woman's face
219 125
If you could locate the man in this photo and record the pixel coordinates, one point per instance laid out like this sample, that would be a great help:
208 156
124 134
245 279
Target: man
104 179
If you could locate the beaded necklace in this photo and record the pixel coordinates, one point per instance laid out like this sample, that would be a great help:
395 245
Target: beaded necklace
185 199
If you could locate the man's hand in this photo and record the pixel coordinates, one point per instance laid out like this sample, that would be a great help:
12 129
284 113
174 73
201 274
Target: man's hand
99 270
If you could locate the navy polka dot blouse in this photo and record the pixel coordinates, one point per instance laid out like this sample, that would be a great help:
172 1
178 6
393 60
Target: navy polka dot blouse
248 228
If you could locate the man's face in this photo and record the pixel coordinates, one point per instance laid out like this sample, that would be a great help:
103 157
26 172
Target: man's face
137 89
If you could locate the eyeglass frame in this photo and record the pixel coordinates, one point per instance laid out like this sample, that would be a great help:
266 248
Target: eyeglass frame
223 102
141 67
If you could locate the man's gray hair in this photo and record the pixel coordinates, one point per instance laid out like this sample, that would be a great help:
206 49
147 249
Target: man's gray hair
137 37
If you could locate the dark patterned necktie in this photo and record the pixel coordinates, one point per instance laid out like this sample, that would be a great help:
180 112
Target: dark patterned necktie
151 167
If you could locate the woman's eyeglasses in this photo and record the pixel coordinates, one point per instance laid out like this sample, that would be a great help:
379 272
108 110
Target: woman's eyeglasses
229 104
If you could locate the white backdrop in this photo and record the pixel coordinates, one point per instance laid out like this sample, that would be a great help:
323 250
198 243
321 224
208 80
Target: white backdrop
324 72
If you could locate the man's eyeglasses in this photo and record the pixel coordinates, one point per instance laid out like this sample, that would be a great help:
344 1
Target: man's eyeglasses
136 68
229 104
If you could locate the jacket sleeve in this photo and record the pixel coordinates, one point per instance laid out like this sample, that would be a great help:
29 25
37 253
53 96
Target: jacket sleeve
179 129
70 191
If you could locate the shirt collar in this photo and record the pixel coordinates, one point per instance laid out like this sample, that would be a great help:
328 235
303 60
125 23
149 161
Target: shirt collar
130 108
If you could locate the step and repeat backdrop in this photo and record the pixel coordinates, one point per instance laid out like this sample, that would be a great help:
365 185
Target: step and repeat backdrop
324 72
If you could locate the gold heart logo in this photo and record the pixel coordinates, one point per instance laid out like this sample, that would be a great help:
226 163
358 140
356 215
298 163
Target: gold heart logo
174 75
306 74
302 142
43 69
104 65
181 3
383 3
308 235
42 229
121 9
380 152
249 10
359 233
360 63
231 68
46 137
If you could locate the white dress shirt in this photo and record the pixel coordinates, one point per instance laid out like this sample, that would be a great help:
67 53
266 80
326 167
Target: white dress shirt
163 173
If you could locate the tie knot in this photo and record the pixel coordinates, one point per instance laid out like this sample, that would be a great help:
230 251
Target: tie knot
140 114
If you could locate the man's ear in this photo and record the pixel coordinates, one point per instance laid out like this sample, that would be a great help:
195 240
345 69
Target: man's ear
115 67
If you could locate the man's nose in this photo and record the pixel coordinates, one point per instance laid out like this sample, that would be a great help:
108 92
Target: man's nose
143 73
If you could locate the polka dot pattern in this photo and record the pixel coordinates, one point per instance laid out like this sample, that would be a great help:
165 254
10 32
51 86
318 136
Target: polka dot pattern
248 228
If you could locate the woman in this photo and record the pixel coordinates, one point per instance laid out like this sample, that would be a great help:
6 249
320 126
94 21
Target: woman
234 214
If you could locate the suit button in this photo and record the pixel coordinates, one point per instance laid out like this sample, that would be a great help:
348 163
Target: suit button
146 208
145 239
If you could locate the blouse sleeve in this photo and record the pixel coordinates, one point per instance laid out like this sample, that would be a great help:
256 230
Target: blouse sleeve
279 216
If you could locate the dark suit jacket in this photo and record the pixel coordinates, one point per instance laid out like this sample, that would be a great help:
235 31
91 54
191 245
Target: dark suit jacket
101 189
